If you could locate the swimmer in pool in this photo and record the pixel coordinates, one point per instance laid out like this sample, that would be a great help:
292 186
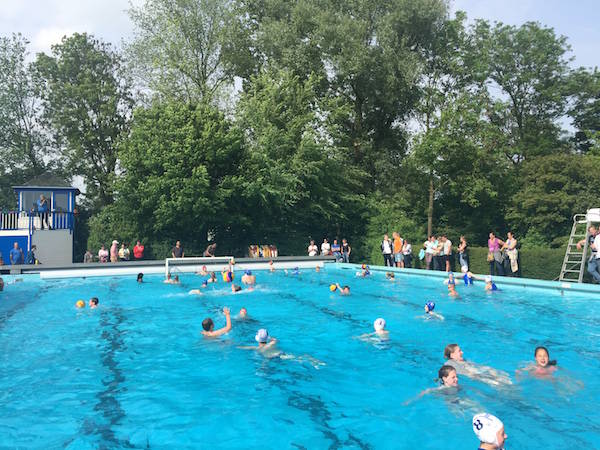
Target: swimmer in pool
198 291
209 326
266 346
271 266
248 278
490 285
543 367
390 276
447 378
429 313
486 374
490 431
212 278
235 288
93 302
1 284
343 290
452 291
203 271
365 271
295 271
174 280
317 269
243 314
377 335
140 277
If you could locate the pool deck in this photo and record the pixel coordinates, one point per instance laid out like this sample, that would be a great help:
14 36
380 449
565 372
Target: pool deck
216 264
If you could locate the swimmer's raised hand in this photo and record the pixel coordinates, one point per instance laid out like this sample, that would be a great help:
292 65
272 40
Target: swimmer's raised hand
226 311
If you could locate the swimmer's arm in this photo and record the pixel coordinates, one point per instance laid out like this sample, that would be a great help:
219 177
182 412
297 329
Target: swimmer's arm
421 394
271 343
248 347
439 316
227 326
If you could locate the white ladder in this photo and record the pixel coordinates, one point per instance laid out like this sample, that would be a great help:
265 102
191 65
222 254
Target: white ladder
573 265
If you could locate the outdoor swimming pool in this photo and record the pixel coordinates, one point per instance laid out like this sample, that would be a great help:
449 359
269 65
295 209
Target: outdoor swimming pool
135 373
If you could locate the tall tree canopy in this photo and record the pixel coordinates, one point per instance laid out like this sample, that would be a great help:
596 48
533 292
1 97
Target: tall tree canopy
87 102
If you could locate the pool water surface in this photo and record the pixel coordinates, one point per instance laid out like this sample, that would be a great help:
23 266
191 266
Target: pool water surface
136 372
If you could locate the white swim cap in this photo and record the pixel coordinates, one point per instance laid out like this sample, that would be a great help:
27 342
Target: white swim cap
486 427
488 279
379 324
262 336
464 269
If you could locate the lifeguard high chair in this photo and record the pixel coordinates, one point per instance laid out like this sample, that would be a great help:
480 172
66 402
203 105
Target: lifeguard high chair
573 266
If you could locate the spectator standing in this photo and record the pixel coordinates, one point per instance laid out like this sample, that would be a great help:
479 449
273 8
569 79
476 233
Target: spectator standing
313 250
346 250
510 249
177 251
103 254
325 248
429 245
124 252
592 267
386 250
438 254
494 255
336 250
210 251
463 253
16 254
398 243
42 209
447 243
88 257
138 251
114 252
406 254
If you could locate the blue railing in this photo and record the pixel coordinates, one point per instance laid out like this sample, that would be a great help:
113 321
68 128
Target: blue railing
27 220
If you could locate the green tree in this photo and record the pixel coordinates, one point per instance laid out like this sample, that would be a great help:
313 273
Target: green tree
87 101
25 150
529 66
185 50
584 87
179 167
555 187
296 183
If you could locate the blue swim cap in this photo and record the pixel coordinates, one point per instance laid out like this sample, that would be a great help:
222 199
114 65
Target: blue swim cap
205 283
248 272
430 306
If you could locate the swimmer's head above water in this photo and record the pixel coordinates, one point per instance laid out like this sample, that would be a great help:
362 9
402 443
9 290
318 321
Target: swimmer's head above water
379 326
208 324
262 336
429 307
93 302
140 277
489 430
453 351
447 376
542 357
243 313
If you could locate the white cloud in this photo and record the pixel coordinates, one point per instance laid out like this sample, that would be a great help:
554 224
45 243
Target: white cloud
47 37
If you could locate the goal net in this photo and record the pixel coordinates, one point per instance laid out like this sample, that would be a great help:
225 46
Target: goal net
194 264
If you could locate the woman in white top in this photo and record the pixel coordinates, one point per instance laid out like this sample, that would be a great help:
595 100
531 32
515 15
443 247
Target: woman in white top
325 248
510 248
406 254
313 250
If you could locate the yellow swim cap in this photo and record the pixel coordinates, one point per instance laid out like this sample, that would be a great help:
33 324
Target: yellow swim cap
332 287
80 304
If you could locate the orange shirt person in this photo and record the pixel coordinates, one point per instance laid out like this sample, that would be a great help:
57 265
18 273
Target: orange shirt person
397 249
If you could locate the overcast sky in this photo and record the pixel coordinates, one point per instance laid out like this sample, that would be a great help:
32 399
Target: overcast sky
44 22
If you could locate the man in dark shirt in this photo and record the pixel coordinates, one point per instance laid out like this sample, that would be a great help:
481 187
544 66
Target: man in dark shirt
177 251
16 255
592 267
210 250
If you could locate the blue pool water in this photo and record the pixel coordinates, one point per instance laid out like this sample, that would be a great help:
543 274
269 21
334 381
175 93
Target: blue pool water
135 373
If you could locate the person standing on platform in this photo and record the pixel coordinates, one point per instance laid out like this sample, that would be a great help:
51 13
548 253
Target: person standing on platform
42 209
386 250
346 250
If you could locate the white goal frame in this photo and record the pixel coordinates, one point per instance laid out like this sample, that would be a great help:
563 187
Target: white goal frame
199 261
